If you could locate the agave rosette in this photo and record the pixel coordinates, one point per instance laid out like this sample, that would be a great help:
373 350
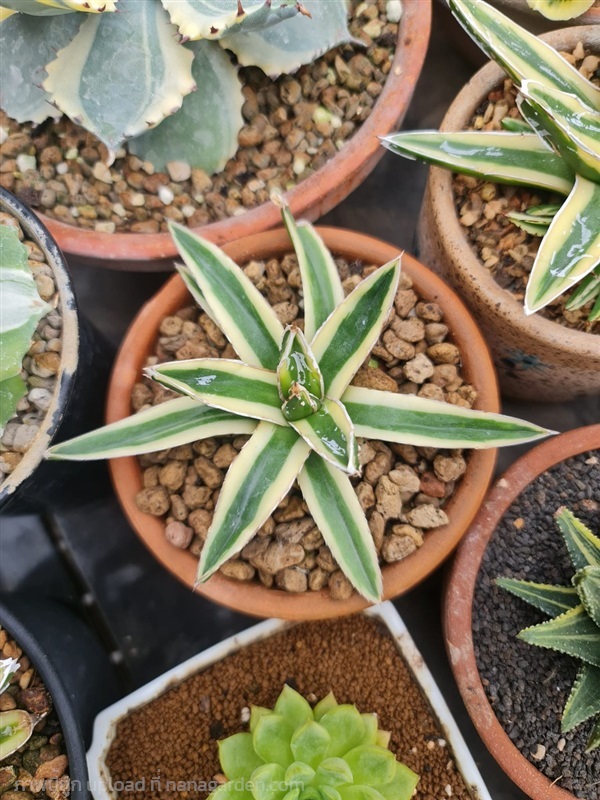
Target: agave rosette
557 148
291 390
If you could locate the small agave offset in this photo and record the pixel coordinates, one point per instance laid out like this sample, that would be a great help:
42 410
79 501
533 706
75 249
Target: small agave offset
295 752
156 73
557 148
292 391
575 625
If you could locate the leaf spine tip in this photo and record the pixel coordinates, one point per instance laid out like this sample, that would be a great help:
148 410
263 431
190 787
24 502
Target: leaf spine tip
303 10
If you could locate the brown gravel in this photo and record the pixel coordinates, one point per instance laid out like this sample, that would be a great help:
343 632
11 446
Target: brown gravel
40 768
40 365
175 737
402 489
503 248
294 125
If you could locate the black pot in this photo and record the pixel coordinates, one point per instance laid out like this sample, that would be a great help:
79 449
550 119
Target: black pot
79 396
74 668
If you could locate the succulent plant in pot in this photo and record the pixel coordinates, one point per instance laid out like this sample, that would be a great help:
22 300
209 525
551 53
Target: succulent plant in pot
553 146
291 391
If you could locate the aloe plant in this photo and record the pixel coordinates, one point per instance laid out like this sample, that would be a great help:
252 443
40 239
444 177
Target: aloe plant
157 72
295 752
561 9
291 391
557 149
575 625
21 309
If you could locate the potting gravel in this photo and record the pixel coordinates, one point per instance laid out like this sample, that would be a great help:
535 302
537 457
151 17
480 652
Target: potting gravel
294 125
175 737
40 768
502 247
402 490
528 686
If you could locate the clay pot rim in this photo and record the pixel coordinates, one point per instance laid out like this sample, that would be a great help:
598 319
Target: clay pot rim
579 344
255 599
458 605
311 198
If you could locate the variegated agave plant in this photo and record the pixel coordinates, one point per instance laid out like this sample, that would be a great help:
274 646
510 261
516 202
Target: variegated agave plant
292 392
156 71
557 148
575 625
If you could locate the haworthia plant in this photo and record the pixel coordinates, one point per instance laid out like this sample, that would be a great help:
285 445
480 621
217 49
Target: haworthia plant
295 752
292 391
77 58
575 625
556 147
21 308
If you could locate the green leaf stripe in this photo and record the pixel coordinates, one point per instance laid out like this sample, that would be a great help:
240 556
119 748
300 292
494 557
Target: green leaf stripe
346 338
582 544
594 740
584 699
552 600
335 508
573 633
193 288
407 419
586 291
239 308
514 158
230 385
169 424
330 434
257 480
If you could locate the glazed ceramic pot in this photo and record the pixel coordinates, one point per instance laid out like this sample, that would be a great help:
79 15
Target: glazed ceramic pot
254 598
310 199
458 606
536 358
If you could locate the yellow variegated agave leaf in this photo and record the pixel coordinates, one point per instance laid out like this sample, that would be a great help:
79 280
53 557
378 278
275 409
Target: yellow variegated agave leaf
560 9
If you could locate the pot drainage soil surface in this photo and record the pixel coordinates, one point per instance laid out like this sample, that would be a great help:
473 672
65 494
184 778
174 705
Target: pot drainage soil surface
175 737
528 686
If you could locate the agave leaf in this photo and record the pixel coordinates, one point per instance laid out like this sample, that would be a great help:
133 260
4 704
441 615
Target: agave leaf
256 481
195 290
330 434
11 391
169 424
571 248
340 518
239 308
347 336
585 292
552 600
8 666
16 728
560 10
520 53
594 314
285 47
132 55
53 7
573 633
212 19
594 740
513 158
298 368
535 229
582 544
408 419
237 756
587 583
321 283
32 42
232 386
584 699
204 132
402 786
515 125
34 8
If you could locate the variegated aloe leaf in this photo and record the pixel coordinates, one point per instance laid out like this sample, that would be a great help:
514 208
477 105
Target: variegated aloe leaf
582 544
285 47
204 132
513 158
594 740
240 309
573 633
587 290
330 434
260 476
587 583
230 385
32 42
569 250
169 424
408 419
52 7
520 53
349 334
334 506
212 19
131 56
321 283
550 599
584 699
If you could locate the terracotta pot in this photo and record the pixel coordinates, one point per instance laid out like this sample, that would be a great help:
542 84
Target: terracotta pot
458 605
311 199
252 598
536 358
